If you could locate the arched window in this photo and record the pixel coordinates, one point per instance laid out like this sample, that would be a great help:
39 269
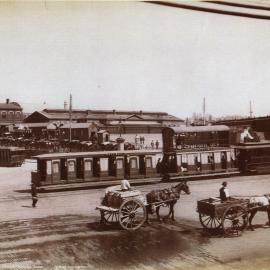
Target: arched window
18 115
4 115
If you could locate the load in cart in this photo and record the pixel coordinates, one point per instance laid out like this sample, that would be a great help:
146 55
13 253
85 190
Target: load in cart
231 216
130 208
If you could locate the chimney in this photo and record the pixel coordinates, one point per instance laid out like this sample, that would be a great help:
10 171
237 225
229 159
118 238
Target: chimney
65 106
7 100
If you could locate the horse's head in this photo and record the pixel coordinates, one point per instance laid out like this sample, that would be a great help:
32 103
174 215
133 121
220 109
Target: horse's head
182 186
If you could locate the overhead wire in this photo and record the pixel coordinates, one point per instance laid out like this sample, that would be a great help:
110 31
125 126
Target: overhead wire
190 6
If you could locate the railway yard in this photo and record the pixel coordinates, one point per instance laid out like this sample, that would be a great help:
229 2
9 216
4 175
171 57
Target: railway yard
63 230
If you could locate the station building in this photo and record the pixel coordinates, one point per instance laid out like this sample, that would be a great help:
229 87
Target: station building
137 127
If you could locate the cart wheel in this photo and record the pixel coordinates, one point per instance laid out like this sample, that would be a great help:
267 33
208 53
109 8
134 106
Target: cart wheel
110 217
132 214
209 222
234 220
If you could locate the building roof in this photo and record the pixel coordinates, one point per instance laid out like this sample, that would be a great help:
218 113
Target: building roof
131 116
185 129
10 106
98 153
98 115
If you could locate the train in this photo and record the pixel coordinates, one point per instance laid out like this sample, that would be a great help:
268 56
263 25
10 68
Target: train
188 152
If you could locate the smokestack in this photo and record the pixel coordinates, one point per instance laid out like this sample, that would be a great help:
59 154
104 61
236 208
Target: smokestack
65 106
7 100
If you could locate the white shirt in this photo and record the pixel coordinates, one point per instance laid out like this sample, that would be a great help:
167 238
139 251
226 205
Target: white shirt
125 185
226 191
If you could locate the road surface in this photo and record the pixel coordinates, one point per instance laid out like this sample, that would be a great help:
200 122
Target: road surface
63 231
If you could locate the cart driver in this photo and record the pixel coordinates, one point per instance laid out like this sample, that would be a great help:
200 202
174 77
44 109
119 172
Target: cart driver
125 185
224 192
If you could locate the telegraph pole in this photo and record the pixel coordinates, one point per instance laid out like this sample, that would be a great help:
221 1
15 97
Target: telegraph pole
204 111
70 116
250 109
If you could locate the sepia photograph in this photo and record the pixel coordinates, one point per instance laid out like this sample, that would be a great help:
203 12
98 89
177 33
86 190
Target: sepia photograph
135 135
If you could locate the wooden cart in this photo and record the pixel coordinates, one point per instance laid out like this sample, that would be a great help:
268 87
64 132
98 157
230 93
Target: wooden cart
230 216
128 208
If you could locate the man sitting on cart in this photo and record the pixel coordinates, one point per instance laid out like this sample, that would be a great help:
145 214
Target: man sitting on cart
224 192
124 186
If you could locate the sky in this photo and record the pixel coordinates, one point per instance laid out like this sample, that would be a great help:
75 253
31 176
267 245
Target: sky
133 56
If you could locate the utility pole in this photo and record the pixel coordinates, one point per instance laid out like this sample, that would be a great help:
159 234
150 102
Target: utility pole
250 109
204 111
70 116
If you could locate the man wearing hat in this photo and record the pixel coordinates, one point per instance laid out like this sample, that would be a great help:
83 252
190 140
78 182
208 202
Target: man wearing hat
224 192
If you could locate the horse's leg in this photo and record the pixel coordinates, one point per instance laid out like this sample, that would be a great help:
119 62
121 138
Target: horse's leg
167 216
268 214
172 210
157 212
147 214
252 214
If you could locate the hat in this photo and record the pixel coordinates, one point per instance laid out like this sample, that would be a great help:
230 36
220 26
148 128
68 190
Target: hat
224 183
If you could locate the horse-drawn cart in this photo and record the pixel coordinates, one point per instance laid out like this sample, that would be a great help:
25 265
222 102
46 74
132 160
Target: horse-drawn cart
128 208
131 208
230 216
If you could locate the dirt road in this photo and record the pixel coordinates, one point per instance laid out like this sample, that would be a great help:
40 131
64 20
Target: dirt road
63 231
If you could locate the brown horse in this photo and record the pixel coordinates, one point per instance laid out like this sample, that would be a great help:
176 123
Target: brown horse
168 196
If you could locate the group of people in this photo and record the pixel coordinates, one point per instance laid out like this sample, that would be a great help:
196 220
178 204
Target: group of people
140 142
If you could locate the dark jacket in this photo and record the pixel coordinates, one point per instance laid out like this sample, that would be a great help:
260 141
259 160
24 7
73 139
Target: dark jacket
222 194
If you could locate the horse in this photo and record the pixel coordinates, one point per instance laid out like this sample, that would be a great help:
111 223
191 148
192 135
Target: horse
163 195
258 204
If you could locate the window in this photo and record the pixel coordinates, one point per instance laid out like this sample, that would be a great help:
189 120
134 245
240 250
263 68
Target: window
191 159
148 162
133 163
88 165
4 115
49 167
71 166
18 115
55 167
119 164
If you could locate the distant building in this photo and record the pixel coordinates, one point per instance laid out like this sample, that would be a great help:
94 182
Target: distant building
86 123
10 114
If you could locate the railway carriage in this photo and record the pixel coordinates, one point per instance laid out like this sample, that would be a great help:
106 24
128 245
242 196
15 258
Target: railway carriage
198 150
11 156
63 168
253 157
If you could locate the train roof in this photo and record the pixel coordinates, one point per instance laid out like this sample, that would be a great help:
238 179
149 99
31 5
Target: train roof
252 145
185 129
12 148
97 154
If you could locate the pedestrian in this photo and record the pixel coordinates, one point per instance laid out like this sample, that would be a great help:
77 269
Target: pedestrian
152 144
157 144
34 194
159 166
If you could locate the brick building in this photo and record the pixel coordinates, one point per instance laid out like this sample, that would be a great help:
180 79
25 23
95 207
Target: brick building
10 113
